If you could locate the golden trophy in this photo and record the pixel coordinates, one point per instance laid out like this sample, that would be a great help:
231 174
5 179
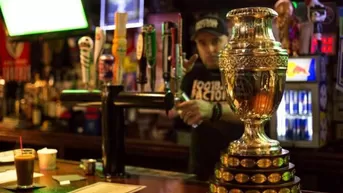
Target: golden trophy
253 68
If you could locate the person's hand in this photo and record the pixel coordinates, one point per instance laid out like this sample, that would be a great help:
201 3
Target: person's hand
195 111
187 65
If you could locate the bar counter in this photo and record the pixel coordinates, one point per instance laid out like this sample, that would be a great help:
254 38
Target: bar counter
319 169
154 184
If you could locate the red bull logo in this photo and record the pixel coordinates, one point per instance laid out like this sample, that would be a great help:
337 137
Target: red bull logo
294 69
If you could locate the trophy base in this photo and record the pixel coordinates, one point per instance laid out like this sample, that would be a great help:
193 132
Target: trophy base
255 174
257 146
290 187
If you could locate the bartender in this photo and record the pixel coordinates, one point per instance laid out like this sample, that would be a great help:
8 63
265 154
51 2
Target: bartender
208 107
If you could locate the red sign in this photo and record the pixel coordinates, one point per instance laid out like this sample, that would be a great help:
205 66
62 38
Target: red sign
15 58
328 44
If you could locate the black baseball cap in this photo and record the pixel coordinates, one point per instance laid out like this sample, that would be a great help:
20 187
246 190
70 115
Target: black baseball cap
211 24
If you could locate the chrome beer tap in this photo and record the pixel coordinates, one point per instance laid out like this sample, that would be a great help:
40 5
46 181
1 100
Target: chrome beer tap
177 63
177 58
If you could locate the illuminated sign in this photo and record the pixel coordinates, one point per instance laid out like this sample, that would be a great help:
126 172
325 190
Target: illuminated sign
301 70
328 44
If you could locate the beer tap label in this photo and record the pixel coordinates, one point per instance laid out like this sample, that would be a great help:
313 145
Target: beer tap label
122 47
151 44
86 46
140 46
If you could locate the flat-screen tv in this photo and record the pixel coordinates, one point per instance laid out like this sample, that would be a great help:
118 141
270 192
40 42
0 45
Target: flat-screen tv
44 19
133 8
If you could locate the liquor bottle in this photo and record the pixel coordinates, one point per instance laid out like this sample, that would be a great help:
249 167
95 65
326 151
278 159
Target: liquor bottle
17 102
36 113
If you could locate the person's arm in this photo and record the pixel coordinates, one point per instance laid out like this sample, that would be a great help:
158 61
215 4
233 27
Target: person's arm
228 114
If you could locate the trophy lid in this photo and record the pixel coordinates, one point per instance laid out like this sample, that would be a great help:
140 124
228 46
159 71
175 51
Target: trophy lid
252 11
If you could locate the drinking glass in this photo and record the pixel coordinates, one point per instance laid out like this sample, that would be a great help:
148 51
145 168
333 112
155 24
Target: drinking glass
24 166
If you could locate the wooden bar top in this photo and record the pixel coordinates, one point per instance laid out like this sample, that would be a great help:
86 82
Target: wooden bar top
77 141
153 184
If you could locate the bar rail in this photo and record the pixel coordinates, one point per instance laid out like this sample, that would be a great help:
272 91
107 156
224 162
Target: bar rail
153 100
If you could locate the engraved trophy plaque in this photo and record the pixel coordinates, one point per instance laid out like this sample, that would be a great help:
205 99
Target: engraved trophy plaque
253 68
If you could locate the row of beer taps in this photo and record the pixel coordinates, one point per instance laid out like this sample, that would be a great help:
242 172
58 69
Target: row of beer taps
146 52
172 55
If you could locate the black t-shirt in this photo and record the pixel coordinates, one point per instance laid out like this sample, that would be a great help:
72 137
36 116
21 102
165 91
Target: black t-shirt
208 139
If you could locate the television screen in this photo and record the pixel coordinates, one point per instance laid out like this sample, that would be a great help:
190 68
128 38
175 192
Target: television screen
38 17
133 8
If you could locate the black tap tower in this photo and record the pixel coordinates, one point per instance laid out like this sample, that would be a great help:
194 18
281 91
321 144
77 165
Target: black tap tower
113 100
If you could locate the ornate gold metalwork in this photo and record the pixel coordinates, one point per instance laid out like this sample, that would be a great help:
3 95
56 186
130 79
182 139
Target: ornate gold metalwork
278 162
248 163
264 162
253 69
270 191
236 191
241 178
257 176
227 176
292 186
253 191
222 190
218 174
213 188
287 176
234 162
285 190
274 178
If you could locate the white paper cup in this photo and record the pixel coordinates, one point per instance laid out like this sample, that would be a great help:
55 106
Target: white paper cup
47 159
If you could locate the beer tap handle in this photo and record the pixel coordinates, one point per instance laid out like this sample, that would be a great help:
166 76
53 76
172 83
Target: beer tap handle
100 39
141 57
119 46
175 59
179 63
152 78
86 46
166 52
180 28
151 45
166 63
